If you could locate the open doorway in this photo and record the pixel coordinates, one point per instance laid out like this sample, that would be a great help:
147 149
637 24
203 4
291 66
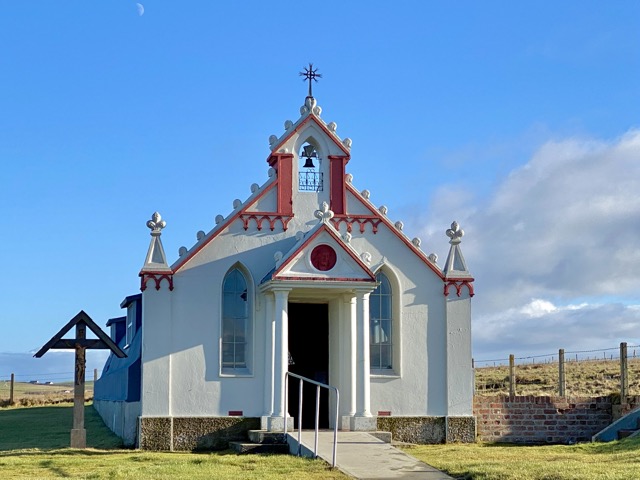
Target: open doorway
309 357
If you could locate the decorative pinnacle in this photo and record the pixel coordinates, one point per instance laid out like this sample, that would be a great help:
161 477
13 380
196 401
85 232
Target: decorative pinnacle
324 214
455 233
156 224
310 74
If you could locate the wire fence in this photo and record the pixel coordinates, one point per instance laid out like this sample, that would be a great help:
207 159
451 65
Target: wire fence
595 372
50 387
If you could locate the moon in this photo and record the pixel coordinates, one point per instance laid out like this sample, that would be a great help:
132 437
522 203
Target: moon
140 8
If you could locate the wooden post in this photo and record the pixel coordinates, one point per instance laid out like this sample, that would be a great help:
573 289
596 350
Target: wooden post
78 433
561 377
95 375
473 369
512 375
13 378
624 377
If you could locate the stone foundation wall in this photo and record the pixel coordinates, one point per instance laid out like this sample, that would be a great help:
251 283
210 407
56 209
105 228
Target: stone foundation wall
427 430
193 433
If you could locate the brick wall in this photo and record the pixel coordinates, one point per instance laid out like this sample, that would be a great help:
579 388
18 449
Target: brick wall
529 419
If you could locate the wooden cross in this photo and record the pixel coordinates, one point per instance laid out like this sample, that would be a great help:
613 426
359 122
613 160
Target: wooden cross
80 344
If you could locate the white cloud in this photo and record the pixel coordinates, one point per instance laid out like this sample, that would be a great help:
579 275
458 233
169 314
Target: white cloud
550 247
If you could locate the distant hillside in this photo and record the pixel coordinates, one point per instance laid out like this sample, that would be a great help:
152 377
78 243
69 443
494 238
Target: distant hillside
583 378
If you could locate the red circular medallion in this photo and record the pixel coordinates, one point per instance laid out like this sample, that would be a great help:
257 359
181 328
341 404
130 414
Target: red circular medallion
323 257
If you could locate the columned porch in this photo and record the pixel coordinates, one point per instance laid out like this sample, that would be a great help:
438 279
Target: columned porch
348 318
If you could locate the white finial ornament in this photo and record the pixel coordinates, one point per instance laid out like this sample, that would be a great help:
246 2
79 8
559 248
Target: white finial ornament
455 233
324 214
346 237
156 224
455 264
366 258
156 260
433 257
416 241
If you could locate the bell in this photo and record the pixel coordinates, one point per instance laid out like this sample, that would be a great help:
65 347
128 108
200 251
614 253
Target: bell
309 151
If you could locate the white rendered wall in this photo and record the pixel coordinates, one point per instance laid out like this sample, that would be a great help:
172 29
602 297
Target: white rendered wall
181 342
157 333
459 368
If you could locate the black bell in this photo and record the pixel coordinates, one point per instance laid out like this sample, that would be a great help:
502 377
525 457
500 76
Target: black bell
309 151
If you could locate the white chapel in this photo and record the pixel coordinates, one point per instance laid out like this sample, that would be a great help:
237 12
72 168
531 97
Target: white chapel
305 275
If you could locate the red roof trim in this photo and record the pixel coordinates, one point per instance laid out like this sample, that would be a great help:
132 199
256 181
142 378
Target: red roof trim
323 279
181 262
324 228
321 125
392 227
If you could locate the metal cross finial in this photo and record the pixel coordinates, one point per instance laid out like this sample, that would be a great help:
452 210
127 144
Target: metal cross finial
310 74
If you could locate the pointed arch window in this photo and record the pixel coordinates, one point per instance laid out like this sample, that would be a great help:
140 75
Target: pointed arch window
381 325
235 323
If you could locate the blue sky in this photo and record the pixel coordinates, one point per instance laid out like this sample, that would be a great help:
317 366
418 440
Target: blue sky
518 119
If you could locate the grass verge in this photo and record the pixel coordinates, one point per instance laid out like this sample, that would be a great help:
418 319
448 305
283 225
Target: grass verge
33 444
483 461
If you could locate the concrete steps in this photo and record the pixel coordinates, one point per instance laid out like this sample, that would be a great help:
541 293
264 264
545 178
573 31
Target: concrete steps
629 432
261 441
625 427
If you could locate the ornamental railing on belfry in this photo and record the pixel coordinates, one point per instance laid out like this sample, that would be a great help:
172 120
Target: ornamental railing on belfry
310 181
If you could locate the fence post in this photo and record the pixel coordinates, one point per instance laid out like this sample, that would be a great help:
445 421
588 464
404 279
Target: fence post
512 375
95 375
561 378
11 389
473 370
624 378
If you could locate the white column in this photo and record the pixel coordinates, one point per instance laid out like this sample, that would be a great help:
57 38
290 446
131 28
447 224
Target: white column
353 349
269 354
363 385
281 349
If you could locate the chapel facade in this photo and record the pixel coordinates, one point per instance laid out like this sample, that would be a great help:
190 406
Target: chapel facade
305 275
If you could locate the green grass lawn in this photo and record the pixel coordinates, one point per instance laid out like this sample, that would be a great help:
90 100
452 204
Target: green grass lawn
34 441
33 444
483 461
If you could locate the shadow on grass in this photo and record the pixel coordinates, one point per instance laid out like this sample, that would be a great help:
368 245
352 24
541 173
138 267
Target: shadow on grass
49 428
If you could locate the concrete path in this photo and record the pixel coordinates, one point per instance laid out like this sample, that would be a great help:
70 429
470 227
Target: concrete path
363 456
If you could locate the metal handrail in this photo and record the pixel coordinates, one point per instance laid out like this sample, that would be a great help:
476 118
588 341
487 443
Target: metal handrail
286 410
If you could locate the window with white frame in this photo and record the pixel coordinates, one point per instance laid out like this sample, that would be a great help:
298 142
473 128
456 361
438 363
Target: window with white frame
381 325
235 322
131 323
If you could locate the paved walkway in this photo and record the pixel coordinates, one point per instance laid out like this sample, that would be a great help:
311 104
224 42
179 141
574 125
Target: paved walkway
364 457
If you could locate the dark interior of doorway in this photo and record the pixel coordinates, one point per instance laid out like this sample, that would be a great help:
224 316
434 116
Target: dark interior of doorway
309 352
